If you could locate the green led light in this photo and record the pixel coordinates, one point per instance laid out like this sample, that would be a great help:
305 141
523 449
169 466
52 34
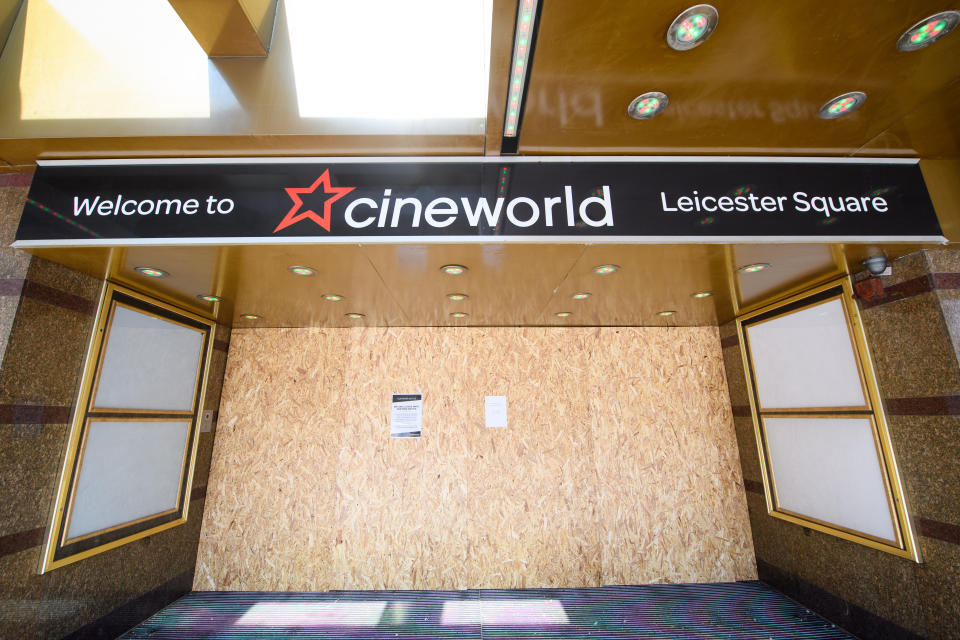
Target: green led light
151 272
605 269
581 295
563 314
666 313
457 297
458 314
355 316
249 316
332 297
692 27
301 271
701 294
928 31
753 268
211 298
453 269
842 105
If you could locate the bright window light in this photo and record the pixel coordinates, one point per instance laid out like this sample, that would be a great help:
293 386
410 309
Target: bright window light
503 612
383 59
108 59
307 614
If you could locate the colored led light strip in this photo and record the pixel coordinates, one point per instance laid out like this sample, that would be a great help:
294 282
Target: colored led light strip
522 41
503 181
64 218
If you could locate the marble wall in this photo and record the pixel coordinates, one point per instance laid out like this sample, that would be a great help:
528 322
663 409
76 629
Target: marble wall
46 315
913 333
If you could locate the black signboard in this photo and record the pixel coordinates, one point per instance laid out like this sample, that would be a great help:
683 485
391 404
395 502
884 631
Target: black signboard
483 199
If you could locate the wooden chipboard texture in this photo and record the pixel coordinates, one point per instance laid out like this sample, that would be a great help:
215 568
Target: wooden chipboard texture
619 464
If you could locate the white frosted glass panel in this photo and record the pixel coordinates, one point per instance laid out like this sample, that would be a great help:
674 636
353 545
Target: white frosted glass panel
828 469
806 359
130 470
150 363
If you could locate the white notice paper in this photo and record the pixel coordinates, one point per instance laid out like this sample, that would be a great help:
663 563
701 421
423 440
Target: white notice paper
496 410
406 414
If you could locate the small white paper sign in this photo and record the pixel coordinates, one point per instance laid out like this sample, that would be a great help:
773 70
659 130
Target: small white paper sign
406 415
496 411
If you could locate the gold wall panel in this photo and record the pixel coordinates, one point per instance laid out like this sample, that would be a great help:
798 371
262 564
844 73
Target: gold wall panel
223 28
619 464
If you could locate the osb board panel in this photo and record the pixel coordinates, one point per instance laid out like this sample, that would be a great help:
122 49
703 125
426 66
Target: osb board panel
619 464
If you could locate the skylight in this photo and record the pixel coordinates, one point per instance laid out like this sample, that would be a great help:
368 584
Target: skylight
389 60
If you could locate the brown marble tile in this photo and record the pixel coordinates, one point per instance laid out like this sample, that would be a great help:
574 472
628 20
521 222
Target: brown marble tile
736 378
222 333
879 582
747 446
20 601
45 355
8 313
64 279
29 465
13 262
728 329
950 308
218 364
201 470
943 260
938 582
927 449
912 352
87 590
906 268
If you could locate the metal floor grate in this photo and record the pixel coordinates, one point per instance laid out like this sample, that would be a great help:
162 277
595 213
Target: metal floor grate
735 610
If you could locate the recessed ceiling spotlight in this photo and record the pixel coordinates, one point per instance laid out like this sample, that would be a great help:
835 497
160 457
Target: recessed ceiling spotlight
210 298
453 269
563 314
301 271
666 313
151 272
458 314
604 269
692 27
753 268
249 316
355 316
581 295
332 297
701 294
928 31
647 105
457 297
842 105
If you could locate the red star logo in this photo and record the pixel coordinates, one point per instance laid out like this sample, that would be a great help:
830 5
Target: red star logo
293 217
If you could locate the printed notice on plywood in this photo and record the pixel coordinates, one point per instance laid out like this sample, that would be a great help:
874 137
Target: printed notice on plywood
406 415
620 465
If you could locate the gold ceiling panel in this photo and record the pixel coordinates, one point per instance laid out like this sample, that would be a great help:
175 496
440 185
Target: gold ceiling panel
651 279
507 284
754 87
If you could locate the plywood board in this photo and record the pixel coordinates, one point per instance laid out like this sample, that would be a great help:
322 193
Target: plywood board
619 464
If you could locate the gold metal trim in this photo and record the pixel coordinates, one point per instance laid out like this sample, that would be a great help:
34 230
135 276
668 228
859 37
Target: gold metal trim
906 545
103 354
853 346
76 477
896 541
83 412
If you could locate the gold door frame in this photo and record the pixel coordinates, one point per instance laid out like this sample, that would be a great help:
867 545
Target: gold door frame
905 545
58 551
